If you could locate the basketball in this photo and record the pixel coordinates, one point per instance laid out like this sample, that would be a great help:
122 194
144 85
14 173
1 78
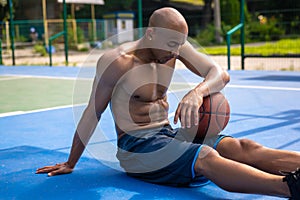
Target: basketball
214 116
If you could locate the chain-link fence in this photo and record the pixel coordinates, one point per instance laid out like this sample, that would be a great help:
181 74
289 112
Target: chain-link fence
31 39
32 31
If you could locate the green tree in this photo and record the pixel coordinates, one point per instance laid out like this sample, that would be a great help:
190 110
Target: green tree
4 12
207 13
113 5
4 9
230 11
286 13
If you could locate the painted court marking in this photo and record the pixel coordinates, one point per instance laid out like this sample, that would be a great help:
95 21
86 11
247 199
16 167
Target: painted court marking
264 87
37 110
171 90
14 76
249 87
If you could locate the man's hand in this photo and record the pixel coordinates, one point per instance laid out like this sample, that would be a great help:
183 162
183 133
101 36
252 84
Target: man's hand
187 110
62 168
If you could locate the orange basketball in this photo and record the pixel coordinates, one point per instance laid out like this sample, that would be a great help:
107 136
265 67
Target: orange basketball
214 116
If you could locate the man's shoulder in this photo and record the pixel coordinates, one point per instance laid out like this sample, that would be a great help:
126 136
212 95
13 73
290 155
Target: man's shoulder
119 51
119 58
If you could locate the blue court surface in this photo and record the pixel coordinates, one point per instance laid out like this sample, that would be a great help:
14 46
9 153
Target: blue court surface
264 107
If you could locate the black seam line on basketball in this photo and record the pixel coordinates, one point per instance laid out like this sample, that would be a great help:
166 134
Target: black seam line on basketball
219 125
210 108
216 117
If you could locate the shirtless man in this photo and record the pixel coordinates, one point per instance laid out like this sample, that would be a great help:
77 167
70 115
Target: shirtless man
134 79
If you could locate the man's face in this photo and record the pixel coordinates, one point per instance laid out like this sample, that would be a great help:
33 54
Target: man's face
166 44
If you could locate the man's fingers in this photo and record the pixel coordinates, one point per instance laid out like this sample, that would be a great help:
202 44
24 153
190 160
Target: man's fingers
55 172
46 169
177 114
183 116
188 115
196 117
63 170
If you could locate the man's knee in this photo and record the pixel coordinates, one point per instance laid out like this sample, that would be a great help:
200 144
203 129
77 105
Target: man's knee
250 151
205 159
239 149
244 150
249 145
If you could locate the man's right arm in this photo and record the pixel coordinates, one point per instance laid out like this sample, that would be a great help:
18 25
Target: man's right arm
84 131
103 86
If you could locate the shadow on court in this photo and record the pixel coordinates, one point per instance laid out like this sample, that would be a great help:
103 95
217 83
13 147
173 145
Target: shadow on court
286 118
90 180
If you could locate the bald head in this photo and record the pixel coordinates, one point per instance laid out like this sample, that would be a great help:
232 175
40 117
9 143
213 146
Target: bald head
168 18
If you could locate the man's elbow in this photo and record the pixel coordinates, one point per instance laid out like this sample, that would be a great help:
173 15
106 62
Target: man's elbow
225 77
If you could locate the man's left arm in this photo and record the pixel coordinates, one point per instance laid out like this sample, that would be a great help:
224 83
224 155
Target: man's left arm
215 79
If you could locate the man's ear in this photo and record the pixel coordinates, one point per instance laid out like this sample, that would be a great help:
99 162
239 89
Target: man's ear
149 33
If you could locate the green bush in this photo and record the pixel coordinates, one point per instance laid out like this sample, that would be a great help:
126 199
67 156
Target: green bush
80 36
230 16
206 37
40 49
268 31
230 11
21 38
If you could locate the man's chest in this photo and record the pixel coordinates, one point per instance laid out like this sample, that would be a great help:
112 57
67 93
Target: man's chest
148 82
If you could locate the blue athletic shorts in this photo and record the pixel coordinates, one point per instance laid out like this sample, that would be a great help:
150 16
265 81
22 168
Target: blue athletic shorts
162 156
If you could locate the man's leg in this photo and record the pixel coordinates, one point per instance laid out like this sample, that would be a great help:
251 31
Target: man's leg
258 156
238 177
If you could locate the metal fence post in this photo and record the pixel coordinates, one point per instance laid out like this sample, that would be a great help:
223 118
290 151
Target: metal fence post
242 20
240 26
1 62
11 31
65 32
140 17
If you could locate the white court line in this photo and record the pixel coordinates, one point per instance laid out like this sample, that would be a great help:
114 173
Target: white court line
51 108
170 91
11 78
177 83
45 77
37 110
264 87
247 86
11 113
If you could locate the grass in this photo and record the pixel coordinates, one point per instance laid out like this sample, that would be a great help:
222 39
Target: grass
281 47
